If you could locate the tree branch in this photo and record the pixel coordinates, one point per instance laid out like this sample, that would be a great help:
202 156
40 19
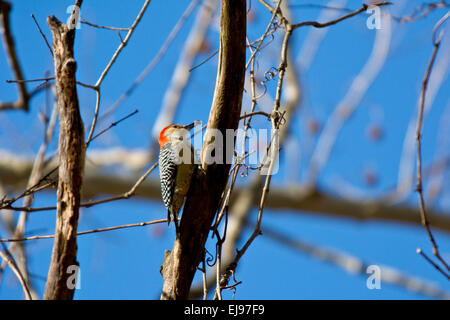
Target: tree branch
71 161
316 24
14 172
8 41
124 226
352 99
419 189
105 71
355 265
180 264
9 259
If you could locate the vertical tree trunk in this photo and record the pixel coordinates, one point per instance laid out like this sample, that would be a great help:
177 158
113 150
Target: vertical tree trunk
60 284
180 264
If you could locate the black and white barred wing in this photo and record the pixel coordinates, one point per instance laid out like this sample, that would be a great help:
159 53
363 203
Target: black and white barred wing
167 173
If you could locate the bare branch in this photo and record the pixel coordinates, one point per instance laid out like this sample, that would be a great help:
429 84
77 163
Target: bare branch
434 264
161 53
261 40
419 189
212 55
109 65
355 265
42 34
8 41
103 27
6 256
71 160
124 226
128 194
7 203
406 168
113 124
14 172
36 173
123 44
421 11
30 80
332 22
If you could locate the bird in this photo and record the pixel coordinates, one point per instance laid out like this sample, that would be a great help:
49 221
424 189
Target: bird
176 168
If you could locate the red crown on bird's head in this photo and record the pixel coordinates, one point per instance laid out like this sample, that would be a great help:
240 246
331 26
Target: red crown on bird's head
167 131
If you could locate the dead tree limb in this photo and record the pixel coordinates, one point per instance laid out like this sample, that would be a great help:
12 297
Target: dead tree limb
71 161
180 264
8 41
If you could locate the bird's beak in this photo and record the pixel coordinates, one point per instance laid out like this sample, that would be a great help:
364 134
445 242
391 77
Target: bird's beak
190 126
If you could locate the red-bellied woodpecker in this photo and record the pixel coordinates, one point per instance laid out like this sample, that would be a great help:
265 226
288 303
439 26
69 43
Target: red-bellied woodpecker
176 167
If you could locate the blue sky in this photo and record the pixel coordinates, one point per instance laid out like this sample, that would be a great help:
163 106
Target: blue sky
125 264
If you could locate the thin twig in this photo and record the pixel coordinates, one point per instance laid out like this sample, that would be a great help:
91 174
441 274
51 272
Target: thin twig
332 22
7 203
250 45
127 194
30 80
88 204
50 236
43 35
434 264
220 240
319 6
123 44
271 149
204 61
86 85
46 79
254 100
419 188
108 67
421 11
276 11
266 32
103 27
8 258
36 172
253 113
13 60
94 120
226 196
150 66
406 178
113 124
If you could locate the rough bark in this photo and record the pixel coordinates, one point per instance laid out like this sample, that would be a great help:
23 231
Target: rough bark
71 164
180 264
